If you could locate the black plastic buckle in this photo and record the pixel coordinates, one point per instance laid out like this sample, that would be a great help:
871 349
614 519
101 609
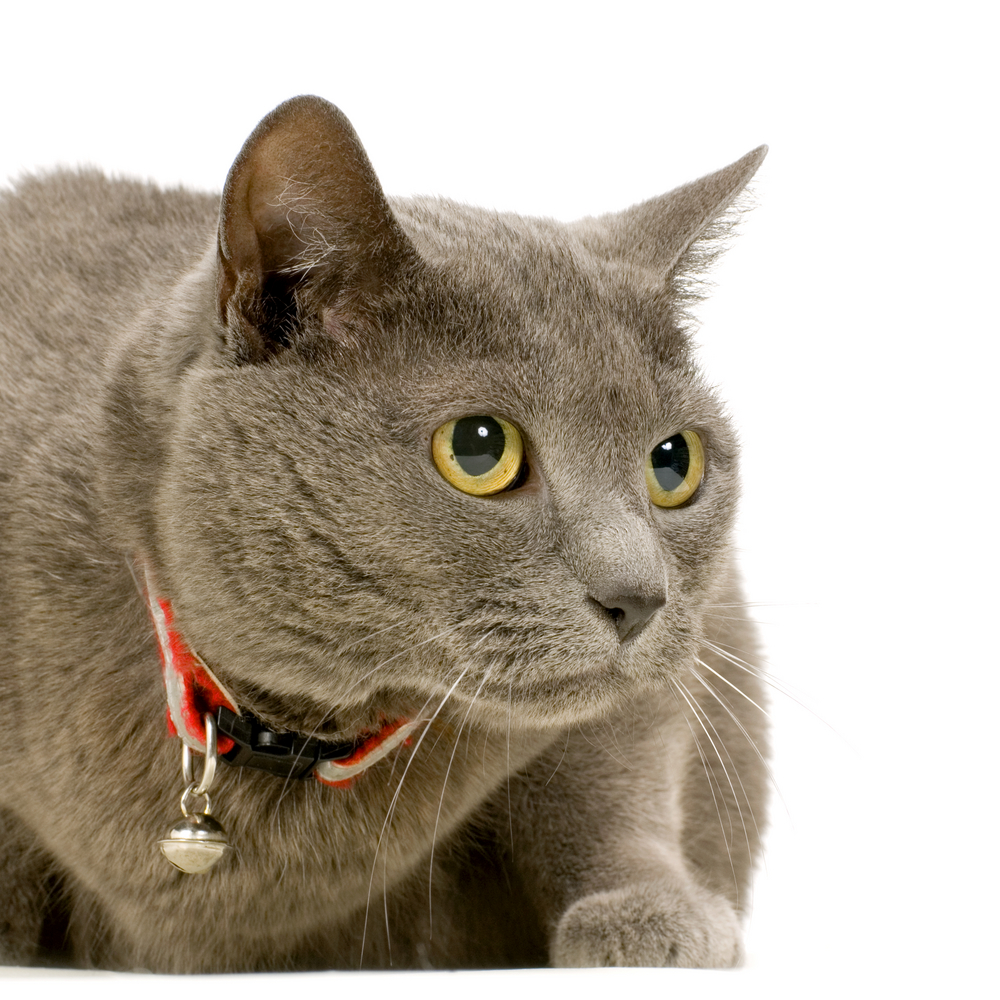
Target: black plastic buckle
286 755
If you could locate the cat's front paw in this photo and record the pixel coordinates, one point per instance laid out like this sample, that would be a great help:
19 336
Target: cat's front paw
648 925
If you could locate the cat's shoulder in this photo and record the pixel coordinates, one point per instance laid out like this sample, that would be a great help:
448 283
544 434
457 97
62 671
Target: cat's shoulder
81 254
68 199
81 233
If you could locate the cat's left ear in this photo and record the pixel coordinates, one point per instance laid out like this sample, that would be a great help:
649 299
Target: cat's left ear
658 234
302 208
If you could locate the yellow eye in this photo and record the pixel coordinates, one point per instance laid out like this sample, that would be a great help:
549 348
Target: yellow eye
674 469
478 455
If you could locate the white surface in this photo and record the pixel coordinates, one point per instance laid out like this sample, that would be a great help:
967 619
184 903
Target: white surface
853 331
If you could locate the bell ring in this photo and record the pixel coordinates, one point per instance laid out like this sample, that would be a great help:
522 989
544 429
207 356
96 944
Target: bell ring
197 842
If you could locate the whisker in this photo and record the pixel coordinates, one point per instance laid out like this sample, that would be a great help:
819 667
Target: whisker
510 809
736 770
390 813
724 702
395 799
729 652
403 652
710 779
559 762
332 712
739 691
702 718
437 818
416 715
371 635
729 618
623 760
757 604
769 679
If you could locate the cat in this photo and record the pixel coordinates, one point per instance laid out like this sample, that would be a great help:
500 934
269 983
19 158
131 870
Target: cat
434 503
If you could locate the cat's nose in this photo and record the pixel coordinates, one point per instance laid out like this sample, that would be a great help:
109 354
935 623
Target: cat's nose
617 555
629 612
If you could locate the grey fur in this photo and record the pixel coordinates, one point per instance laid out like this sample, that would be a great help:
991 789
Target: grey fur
252 414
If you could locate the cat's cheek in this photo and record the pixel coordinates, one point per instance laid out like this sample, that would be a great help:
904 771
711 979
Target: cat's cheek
698 543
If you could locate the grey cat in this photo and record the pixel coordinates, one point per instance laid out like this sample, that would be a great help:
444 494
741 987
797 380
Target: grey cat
434 504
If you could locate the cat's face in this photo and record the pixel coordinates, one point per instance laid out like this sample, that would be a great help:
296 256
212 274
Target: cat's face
317 551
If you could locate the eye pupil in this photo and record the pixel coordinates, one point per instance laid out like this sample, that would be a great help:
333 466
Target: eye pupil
671 462
478 444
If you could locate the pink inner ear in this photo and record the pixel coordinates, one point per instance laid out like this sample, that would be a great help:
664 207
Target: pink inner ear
334 328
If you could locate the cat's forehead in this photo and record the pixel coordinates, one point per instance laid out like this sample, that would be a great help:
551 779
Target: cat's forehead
519 317
535 286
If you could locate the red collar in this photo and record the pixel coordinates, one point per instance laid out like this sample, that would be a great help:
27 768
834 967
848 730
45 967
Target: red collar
193 692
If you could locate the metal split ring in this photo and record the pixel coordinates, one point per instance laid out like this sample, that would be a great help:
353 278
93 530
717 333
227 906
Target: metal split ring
187 807
208 768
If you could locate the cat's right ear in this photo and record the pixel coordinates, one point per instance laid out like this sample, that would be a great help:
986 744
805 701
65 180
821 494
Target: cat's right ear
664 234
301 208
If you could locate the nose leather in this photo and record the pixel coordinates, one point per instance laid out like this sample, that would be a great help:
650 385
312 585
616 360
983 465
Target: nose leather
629 612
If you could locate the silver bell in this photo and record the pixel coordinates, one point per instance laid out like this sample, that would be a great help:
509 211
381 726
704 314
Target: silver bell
195 843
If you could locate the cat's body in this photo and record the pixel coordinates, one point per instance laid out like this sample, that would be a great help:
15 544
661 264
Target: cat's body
251 425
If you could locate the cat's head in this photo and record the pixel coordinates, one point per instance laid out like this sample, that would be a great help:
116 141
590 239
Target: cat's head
401 450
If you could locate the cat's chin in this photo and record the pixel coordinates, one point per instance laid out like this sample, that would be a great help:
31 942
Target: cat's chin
549 697
549 703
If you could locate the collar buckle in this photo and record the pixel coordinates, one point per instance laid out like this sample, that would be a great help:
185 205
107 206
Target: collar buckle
285 755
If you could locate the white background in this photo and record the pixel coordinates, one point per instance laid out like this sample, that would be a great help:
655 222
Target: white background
853 331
